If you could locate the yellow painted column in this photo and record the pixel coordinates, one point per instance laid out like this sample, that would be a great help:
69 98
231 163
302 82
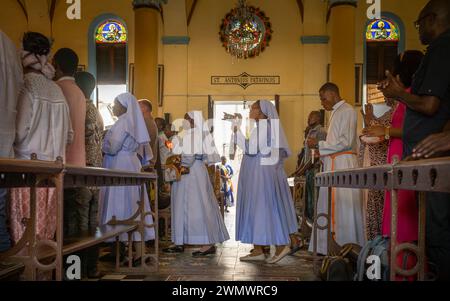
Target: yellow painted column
342 28
147 18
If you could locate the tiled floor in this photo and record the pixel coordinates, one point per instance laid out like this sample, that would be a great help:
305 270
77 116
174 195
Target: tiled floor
224 265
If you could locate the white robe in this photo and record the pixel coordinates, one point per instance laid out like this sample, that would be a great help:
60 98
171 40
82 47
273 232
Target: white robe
196 217
348 215
11 81
43 125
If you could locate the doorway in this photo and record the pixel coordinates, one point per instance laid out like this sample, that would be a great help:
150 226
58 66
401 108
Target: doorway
222 133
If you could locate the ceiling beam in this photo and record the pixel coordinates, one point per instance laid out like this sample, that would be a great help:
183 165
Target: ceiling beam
51 11
301 8
22 5
191 12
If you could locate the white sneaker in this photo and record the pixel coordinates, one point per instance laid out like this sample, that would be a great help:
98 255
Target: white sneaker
277 258
260 257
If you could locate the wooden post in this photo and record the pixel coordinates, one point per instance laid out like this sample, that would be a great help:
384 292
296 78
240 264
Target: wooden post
315 229
31 266
329 221
59 186
156 222
421 242
394 209
142 205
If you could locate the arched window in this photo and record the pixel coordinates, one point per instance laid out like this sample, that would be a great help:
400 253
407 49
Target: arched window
382 30
111 32
382 47
111 39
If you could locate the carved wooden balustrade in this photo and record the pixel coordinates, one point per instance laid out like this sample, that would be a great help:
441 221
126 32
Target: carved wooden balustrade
34 174
423 176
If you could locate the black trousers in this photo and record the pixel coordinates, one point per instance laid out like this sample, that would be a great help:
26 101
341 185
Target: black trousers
438 232
80 215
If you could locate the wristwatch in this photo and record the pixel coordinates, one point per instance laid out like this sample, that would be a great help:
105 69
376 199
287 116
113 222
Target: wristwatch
386 133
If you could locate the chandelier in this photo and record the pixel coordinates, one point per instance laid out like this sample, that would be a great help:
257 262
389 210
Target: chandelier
245 31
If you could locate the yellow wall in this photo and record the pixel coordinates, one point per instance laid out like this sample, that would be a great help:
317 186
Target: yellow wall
74 33
12 20
188 68
206 57
406 10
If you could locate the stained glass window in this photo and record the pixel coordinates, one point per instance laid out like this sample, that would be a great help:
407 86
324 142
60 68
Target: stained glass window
111 32
245 31
382 30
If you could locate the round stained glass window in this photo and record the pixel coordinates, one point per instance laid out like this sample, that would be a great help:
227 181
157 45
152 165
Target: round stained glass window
111 31
245 32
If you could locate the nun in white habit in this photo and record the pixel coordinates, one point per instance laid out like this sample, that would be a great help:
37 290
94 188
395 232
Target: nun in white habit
126 147
196 218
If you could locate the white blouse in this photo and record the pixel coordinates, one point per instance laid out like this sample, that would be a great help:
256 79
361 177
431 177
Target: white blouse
43 125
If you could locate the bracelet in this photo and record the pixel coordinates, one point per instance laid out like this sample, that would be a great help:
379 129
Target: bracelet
387 135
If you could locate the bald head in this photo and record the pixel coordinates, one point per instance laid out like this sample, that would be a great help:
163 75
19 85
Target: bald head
433 20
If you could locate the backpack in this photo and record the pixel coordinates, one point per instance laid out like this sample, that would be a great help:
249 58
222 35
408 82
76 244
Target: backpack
378 247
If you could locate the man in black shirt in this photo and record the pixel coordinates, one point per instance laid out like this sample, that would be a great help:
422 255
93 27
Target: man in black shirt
428 113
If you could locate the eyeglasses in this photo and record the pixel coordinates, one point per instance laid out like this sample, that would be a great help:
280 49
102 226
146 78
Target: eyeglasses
418 21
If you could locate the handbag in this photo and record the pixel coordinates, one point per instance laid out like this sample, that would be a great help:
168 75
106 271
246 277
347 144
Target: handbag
338 267
173 170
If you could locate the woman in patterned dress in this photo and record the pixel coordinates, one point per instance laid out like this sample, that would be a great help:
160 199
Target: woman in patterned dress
377 156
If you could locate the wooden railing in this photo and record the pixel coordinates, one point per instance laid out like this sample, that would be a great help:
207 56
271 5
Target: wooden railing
422 176
35 174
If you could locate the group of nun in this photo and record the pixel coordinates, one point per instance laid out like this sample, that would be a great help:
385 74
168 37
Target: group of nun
265 210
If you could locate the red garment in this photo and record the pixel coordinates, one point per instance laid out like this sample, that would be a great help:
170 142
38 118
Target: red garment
407 226
45 210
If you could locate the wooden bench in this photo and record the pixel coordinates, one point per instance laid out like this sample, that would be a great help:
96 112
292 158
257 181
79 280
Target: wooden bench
11 271
34 174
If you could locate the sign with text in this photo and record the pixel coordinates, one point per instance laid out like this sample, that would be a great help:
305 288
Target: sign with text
245 80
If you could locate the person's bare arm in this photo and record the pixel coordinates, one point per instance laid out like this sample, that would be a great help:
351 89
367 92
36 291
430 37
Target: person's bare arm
427 105
393 88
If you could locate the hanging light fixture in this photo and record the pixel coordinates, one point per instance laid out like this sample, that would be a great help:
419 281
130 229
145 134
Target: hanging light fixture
245 31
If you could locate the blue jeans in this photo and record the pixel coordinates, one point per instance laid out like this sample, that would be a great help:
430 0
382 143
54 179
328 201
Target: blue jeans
5 241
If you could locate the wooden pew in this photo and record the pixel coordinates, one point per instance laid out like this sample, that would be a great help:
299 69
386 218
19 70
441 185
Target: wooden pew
34 174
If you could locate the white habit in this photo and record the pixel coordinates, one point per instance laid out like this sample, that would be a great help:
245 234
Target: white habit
196 218
11 81
339 152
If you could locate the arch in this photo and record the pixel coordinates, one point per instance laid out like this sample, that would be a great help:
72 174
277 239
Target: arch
401 44
382 30
401 29
119 36
92 58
